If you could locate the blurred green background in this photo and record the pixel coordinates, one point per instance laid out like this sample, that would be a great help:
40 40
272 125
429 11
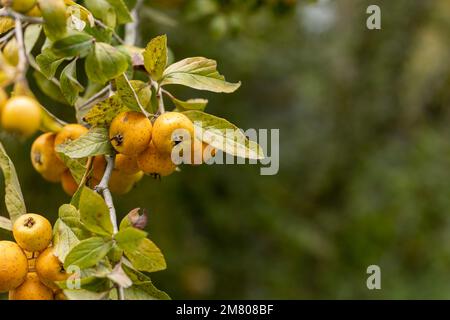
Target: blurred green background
364 153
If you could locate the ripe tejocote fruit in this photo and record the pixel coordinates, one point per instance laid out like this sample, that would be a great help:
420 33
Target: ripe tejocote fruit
21 115
121 183
69 133
31 289
50 269
130 132
21 6
44 158
98 167
32 232
126 164
13 266
11 52
68 183
171 128
3 100
153 162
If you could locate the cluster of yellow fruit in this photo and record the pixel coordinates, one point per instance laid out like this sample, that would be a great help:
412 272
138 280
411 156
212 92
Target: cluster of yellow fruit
28 267
27 7
48 163
148 147
19 114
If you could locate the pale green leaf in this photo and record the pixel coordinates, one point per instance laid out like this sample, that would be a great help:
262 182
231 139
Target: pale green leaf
198 73
94 142
224 135
64 240
13 194
94 213
88 253
5 223
155 57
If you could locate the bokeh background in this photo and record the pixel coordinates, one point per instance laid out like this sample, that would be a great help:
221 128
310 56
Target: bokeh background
364 153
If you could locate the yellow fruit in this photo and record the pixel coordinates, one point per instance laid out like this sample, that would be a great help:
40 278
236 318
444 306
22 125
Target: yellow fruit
68 183
13 266
121 183
60 296
21 115
153 162
171 128
126 164
200 152
34 12
69 133
98 167
3 100
44 158
11 52
32 232
50 269
21 6
31 289
130 132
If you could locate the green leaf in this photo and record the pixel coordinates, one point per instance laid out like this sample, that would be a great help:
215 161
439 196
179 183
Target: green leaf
143 288
134 94
94 213
77 167
31 36
155 57
54 14
223 135
75 44
102 10
48 88
105 63
94 142
81 294
5 223
142 252
48 62
191 104
88 253
64 240
104 112
71 217
198 73
13 194
123 14
70 86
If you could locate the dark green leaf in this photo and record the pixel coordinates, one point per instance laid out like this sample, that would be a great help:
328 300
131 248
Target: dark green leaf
70 86
75 44
105 63
143 288
123 14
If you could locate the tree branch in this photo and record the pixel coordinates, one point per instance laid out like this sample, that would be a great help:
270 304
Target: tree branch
131 28
19 16
103 188
23 60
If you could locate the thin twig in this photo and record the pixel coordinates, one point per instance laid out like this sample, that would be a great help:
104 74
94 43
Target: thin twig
159 96
114 33
36 67
22 65
8 36
90 162
19 16
136 97
131 28
103 188
94 99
